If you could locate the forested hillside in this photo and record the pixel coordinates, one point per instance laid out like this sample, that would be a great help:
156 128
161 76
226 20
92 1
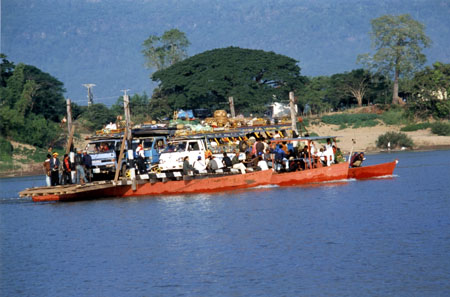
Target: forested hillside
100 41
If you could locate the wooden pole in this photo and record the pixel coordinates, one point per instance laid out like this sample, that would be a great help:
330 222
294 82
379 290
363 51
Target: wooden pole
70 140
119 162
231 101
126 106
69 115
293 112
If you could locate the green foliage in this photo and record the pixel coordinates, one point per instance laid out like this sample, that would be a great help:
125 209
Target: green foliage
31 104
442 129
354 120
6 150
432 83
424 109
253 77
97 116
170 48
394 117
416 127
396 140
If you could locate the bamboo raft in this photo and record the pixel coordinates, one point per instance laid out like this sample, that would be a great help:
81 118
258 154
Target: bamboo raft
71 189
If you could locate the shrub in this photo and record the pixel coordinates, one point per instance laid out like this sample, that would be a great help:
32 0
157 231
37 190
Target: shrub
394 117
442 129
415 127
6 150
351 120
396 139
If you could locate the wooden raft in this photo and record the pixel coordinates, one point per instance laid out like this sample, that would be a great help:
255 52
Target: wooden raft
68 189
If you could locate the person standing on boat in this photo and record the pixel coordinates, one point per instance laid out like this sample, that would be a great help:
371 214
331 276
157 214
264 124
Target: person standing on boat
67 175
141 159
81 177
54 168
87 163
259 146
47 170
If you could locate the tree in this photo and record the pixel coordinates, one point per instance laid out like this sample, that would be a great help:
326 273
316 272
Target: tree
163 51
398 41
206 80
354 83
97 116
432 83
315 96
31 104
6 70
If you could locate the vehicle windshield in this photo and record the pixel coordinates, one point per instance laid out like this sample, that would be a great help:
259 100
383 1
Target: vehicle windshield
100 147
177 146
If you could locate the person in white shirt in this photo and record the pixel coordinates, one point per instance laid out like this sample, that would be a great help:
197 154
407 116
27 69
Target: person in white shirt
262 164
199 165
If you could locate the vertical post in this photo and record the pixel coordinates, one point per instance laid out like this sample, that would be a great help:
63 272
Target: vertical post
231 101
293 112
69 115
126 106
119 161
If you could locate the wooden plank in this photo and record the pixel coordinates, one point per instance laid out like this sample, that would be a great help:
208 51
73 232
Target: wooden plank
119 162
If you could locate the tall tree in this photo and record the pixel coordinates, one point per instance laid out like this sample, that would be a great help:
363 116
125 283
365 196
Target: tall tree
163 51
206 80
355 83
398 42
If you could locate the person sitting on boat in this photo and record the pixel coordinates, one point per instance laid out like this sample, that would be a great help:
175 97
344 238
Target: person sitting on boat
226 161
280 156
212 164
304 156
237 164
262 164
267 156
251 161
339 157
188 169
357 159
293 164
199 165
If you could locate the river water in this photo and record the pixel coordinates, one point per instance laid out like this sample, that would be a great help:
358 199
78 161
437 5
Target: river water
384 237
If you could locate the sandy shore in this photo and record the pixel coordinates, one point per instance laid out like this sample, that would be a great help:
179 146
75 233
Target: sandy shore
365 138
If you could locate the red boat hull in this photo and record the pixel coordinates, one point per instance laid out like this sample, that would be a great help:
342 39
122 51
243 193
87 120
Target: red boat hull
206 185
384 169
316 175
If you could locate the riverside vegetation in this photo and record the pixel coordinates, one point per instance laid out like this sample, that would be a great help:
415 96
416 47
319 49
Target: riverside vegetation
32 104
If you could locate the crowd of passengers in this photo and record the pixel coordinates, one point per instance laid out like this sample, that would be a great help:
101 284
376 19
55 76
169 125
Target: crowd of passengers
263 155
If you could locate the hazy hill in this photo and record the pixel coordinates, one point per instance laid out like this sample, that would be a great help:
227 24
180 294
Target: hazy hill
99 41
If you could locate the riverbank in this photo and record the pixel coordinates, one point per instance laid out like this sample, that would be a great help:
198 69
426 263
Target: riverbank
364 139
350 139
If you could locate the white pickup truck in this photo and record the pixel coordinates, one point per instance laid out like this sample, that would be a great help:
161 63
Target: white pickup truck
171 159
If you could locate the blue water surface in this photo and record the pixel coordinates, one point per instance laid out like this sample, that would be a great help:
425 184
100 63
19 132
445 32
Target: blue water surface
383 237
